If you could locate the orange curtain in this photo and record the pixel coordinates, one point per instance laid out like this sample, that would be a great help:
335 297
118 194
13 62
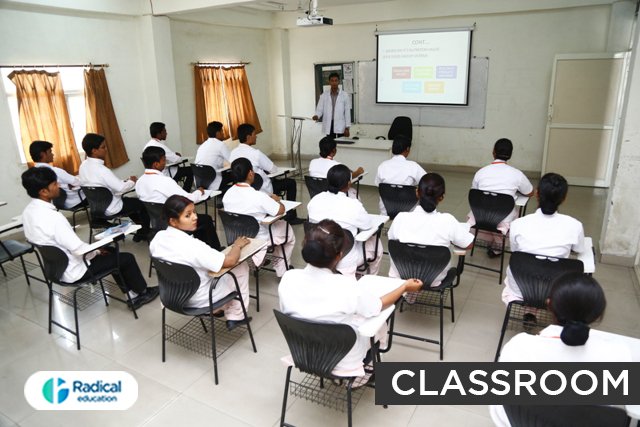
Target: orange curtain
239 99
43 113
101 118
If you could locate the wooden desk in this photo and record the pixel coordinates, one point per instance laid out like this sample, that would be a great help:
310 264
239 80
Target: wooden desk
288 205
521 204
376 221
16 222
367 152
255 246
281 171
104 238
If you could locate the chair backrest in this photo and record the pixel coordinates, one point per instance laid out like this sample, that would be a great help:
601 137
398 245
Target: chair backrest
99 199
316 348
566 416
54 261
398 198
401 126
236 225
535 274
424 262
157 220
177 283
347 234
315 185
59 201
258 181
203 175
489 208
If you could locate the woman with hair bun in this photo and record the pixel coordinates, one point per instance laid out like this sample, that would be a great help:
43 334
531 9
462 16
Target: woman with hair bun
576 301
426 226
319 293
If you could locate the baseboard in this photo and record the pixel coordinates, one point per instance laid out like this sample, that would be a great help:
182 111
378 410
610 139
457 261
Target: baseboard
623 261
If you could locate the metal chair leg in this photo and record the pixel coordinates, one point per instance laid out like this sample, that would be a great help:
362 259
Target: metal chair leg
257 276
453 319
473 244
24 268
284 398
164 336
441 325
349 411
504 238
104 295
502 332
213 349
75 316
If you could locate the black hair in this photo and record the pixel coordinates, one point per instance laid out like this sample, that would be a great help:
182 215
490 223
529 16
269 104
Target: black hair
151 155
240 168
576 301
35 179
326 145
400 144
37 148
430 189
552 189
338 177
503 149
155 128
322 243
244 130
174 206
90 142
334 74
213 128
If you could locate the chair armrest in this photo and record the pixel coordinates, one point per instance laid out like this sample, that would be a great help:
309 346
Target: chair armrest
370 327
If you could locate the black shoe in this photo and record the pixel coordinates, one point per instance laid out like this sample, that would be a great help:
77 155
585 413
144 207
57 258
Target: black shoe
529 322
146 297
493 254
141 235
295 221
232 324
218 314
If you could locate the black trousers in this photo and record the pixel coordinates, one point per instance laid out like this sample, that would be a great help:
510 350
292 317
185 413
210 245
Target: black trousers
130 277
206 231
134 209
290 188
185 173
332 134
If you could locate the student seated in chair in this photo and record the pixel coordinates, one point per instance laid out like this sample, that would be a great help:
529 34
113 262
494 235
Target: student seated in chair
351 215
158 133
398 170
43 225
175 244
263 166
156 187
242 198
214 152
318 168
320 294
544 232
499 177
426 226
93 172
42 154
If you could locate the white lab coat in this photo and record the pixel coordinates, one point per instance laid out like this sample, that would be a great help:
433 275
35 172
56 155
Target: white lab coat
342 113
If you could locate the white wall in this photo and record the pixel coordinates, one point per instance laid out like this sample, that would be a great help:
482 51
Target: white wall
520 46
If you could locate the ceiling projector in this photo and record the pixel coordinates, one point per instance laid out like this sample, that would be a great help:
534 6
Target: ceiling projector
312 19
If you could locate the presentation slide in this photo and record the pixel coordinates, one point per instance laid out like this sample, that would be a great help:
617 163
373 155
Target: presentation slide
423 68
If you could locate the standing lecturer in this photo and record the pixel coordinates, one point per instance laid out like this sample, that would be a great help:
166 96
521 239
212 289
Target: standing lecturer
335 106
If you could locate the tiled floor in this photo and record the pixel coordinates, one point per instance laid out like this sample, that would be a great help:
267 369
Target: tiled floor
181 391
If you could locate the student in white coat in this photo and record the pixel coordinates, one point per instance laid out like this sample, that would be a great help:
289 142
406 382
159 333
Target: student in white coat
544 232
42 155
398 170
175 244
334 108
242 198
575 301
426 226
318 293
155 187
263 166
499 177
158 133
318 168
351 215
214 152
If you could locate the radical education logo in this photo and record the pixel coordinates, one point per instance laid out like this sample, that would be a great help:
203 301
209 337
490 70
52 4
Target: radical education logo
81 390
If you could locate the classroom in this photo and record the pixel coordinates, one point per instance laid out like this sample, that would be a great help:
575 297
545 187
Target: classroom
150 48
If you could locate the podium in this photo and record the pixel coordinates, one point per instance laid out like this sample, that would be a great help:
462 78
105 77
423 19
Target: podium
295 141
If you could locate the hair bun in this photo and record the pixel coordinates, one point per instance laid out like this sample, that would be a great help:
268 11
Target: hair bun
575 333
313 252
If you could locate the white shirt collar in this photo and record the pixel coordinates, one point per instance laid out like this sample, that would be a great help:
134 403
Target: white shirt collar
551 331
317 270
539 212
41 203
399 157
152 172
95 160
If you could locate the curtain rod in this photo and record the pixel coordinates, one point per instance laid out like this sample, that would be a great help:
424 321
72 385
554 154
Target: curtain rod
220 63
55 65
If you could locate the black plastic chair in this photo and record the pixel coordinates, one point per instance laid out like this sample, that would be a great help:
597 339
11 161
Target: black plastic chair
80 207
157 222
203 175
54 262
257 182
566 416
315 185
398 198
534 275
426 262
401 126
99 199
12 249
489 209
236 225
316 349
178 283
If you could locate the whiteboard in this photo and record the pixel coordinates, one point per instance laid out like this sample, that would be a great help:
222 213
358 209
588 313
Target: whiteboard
470 116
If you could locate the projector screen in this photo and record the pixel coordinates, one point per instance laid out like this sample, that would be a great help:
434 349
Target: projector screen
423 67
